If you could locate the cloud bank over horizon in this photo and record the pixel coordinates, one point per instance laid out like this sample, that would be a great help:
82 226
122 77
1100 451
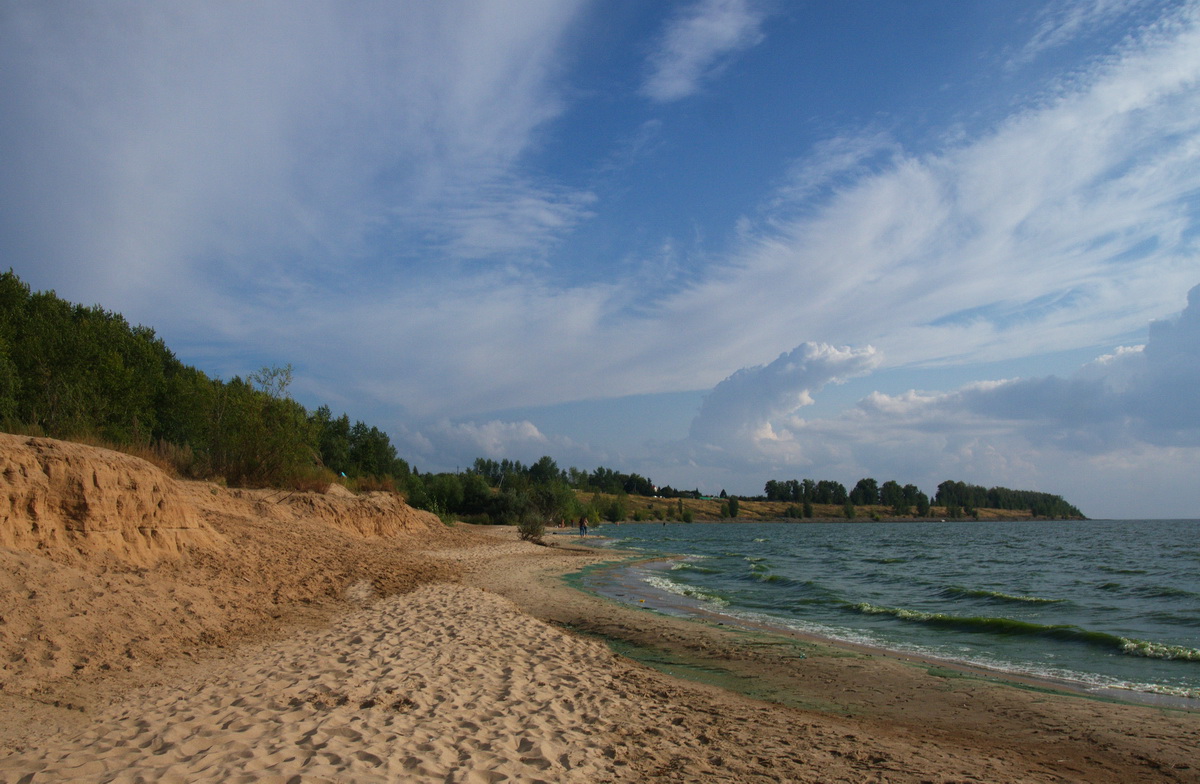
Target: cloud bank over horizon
441 213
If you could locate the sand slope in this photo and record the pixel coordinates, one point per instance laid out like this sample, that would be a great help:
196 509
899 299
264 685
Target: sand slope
72 500
108 565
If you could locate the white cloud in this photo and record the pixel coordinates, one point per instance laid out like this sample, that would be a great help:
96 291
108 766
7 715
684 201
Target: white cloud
1100 437
698 43
743 409
506 218
303 183
1068 225
1061 22
493 439
451 444
195 148
833 160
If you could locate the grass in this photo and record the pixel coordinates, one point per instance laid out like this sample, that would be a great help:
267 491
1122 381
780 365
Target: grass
709 509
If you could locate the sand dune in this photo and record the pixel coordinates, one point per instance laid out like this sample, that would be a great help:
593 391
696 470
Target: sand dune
108 566
72 500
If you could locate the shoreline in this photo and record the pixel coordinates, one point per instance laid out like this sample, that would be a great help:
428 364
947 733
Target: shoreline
893 693
498 674
669 604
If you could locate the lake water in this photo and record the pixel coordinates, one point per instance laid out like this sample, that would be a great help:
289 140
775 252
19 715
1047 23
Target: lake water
1101 604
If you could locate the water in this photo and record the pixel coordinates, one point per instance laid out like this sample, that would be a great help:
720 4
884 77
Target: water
1101 604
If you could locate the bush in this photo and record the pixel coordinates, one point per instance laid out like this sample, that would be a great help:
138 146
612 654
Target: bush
532 528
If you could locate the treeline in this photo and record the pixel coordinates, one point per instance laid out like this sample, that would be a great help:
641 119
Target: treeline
509 492
83 373
958 499
967 498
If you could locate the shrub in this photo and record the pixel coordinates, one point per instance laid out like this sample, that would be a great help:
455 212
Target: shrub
615 512
531 528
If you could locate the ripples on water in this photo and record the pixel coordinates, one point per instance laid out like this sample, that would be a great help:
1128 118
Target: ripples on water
1103 603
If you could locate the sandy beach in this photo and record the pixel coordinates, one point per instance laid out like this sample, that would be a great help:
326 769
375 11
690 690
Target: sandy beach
333 638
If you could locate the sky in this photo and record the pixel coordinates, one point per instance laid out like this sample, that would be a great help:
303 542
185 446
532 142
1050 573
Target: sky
712 242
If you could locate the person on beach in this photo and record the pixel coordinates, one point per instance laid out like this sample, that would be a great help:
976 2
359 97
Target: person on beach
583 526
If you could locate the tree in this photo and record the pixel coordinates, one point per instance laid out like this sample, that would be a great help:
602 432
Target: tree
476 495
733 507
489 470
616 511
544 471
830 492
10 384
333 439
866 492
891 494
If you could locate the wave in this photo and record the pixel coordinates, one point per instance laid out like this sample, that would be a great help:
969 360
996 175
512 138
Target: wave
1148 591
1164 592
690 566
670 586
1063 632
1121 570
999 596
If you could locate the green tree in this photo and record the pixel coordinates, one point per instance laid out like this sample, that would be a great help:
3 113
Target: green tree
866 492
616 511
10 385
891 494
333 440
544 471
476 494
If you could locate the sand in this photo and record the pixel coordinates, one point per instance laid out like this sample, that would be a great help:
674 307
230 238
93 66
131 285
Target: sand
331 638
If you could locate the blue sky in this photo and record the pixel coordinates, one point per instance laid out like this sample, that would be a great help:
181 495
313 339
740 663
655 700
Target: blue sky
713 242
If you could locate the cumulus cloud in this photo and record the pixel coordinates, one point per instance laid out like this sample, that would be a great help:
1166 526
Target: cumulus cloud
747 405
1079 435
1129 397
698 43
